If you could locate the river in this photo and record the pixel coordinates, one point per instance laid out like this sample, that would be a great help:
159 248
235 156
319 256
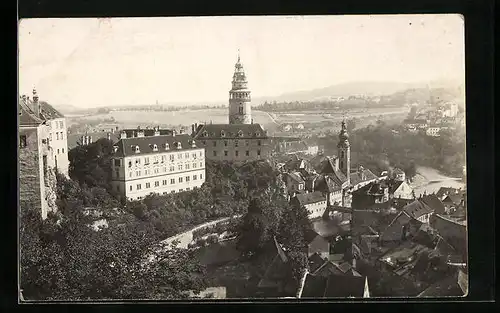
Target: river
429 180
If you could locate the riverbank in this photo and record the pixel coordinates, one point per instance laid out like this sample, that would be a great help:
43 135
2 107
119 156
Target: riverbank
429 180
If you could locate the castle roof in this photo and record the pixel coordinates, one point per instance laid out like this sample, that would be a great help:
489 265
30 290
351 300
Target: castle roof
26 116
48 112
126 146
230 131
309 198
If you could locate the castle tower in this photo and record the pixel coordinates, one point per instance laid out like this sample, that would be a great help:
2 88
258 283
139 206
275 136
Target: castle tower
344 152
240 111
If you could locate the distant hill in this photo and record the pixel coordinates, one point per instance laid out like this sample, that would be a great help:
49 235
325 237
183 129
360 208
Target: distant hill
66 109
356 88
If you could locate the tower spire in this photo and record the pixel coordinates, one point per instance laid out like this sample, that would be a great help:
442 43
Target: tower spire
238 55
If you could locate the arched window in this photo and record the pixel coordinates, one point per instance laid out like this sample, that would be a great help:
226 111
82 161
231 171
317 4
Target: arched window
167 146
155 147
137 150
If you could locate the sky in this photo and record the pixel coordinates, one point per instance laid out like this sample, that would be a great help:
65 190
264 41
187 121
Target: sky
90 62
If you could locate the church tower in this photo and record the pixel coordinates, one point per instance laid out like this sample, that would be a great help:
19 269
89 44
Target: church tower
344 152
240 111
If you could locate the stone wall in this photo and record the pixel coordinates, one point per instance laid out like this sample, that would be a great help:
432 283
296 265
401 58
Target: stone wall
30 189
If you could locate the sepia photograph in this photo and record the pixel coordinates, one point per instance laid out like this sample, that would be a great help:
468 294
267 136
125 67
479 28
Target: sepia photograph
242 157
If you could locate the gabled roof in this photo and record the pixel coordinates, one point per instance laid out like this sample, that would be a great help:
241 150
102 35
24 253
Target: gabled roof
344 286
447 287
310 235
296 177
394 185
362 175
312 197
48 112
394 231
443 191
417 209
27 117
315 262
126 146
453 198
434 203
230 131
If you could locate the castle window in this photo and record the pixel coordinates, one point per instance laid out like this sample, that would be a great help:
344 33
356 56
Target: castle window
22 141
215 143
201 176
258 143
205 134
180 179
117 162
172 158
58 151
172 181
137 149
257 134
247 153
187 166
225 143
215 153
188 178
157 184
240 110
179 145
137 173
148 185
341 154
146 161
62 150
172 168
186 155
195 177
225 153
236 153
138 187
222 133
179 167
236 143
167 146
258 152
130 187
164 182
155 147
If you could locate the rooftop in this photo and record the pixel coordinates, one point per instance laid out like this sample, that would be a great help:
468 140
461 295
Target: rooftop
127 146
334 286
417 209
308 198
230 131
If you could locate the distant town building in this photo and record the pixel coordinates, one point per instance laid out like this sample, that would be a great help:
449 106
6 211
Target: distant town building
161 164
433 131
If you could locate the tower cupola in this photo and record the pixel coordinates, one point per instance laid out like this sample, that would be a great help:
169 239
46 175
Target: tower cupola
239 97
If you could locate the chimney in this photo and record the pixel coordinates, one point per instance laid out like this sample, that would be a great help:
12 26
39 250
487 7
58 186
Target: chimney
36 104
123 134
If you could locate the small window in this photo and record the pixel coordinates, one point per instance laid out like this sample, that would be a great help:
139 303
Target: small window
236 143
247 143
57 135
194 165
180 179
172 168
201 176
187 166
258 143
157 183
117 187
130 174
187 189
195 177
164 182
188 178
155 147
22 141
137 173
58 151
148 185
137 149
215 143
225 153
222 133
62 137
167 146
225 143
172 181
186 155
247 153
236 153
258 152
138 186
179 156
201 164
130 187
129 163
146 161
179 167
240 110
215 153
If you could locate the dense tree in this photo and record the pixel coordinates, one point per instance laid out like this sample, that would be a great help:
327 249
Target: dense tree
91 164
